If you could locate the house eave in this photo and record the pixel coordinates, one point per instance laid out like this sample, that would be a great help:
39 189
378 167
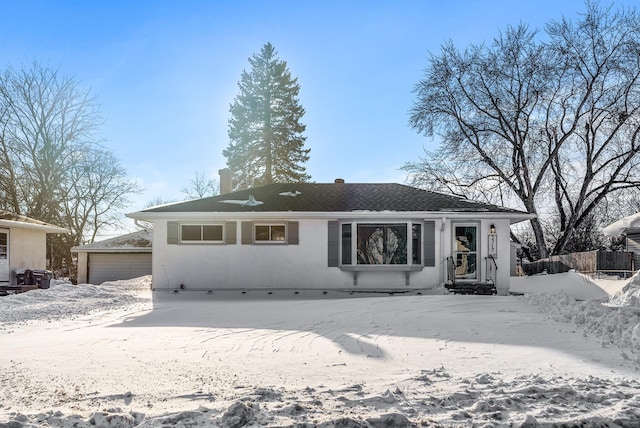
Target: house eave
24 225
513 217
112 250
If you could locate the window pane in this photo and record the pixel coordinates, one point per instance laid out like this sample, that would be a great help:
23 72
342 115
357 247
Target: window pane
3 245
191 232
262 233
466 238
212 232
416 243
466 266
277 233
346 244
382 244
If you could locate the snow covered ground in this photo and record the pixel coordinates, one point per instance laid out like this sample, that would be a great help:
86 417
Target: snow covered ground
118 355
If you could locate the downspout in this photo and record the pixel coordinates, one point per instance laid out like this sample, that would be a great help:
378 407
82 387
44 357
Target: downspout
145 227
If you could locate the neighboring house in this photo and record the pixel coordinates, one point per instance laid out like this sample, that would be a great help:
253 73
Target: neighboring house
337 236
123 257
515 262
630 227
23 244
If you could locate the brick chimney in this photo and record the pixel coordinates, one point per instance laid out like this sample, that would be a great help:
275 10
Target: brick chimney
226 180
339 181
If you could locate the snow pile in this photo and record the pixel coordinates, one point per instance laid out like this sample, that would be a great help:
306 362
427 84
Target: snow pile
64 300
613 326
629 295
607 308
572 283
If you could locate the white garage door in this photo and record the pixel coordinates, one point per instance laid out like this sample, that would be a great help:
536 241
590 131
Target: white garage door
112 267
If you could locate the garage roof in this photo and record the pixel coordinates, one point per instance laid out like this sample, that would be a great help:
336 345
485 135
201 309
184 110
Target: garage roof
140 241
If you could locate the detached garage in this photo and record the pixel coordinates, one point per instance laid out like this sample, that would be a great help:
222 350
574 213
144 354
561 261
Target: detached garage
123 257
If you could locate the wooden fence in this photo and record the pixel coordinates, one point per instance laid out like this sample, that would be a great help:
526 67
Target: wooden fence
610 262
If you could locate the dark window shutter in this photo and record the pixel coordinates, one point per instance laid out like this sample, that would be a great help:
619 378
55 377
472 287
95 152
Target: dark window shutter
334 243
429 243
247 233
230 232
173 232
292 233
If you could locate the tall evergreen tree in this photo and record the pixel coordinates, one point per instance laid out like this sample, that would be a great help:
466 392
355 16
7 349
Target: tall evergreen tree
266 142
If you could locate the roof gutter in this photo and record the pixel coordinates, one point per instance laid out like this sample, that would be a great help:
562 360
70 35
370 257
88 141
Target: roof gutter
48 228
514 217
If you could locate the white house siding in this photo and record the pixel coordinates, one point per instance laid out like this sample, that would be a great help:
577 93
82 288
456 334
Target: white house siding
238 266
633 245
252 266
28 249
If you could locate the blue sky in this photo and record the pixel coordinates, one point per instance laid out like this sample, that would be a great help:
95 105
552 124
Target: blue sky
165 73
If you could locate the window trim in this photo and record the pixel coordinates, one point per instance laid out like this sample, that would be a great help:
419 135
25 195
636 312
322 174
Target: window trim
283 241
477 251
353 257
201 241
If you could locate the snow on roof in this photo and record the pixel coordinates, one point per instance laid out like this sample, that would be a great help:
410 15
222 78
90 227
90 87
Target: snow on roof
621 226
140 241
8 219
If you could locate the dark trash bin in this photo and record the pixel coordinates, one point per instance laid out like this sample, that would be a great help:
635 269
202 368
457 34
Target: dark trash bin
25 277
39 277
43 278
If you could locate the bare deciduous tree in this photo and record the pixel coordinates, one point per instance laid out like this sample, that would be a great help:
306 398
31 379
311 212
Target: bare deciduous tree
547 122
201 187
53 167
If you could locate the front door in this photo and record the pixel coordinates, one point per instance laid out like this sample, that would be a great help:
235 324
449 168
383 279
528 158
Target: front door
4 256
465 251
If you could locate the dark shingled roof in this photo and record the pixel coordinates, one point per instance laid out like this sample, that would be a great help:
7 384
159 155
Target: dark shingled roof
334 197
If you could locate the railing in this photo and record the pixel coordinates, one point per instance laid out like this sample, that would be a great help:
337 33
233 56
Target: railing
492 270
487 287
451 271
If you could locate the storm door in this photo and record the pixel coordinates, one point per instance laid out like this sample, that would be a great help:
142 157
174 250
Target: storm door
4 256
465 251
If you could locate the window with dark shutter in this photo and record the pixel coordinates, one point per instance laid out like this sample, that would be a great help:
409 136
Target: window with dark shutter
333 238
429 255
173 232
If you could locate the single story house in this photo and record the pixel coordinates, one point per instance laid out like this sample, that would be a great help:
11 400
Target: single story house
630 227
336 236
23 245
123 257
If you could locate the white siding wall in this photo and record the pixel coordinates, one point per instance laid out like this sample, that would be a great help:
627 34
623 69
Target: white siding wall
270 266
300 266
504 254
28 249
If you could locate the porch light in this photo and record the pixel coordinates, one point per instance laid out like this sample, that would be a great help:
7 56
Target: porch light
492 228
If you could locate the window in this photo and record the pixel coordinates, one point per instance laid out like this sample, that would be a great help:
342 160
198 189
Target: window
270 233
416 237
3 245
346 244
381 244
201 233
465 251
